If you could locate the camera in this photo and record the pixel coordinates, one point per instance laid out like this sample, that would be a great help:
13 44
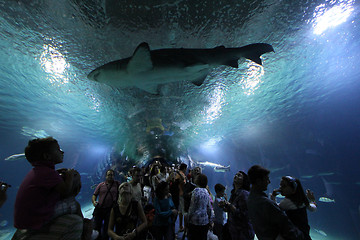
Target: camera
4 186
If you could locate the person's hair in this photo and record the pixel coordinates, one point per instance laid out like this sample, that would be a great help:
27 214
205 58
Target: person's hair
182 167
299 197
134 170
110 170
201 180
153 170
219 188
76 186
246 181
163 169
257 172
160 189
121 186
36 148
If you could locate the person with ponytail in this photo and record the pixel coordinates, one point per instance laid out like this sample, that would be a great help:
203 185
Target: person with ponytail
295 203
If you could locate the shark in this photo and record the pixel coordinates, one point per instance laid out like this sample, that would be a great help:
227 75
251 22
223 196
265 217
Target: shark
217 167
15 157
147 69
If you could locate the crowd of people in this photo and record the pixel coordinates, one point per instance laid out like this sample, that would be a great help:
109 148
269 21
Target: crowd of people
149 203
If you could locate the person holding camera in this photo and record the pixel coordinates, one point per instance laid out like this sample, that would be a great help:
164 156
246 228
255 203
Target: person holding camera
3 196
239 225
296 203
41 190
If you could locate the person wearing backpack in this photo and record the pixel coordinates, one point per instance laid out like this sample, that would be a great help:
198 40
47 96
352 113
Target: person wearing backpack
107 194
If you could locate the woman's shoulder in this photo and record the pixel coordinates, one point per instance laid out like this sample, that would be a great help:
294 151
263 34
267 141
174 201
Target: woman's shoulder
287 204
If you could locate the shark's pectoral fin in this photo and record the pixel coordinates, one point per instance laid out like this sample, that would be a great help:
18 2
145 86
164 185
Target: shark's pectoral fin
150 88
254 51
199 70
199 81
141 60
255 58
232 63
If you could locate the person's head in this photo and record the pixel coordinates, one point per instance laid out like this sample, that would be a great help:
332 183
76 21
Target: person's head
162 189
196 171
220 189
163 169
183 167
76 186
109 176
291 188
44 150
125 193
259 177
135 174
154 170
201 180
241 180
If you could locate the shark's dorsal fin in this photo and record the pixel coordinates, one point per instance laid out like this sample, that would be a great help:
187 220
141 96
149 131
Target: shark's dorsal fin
141 60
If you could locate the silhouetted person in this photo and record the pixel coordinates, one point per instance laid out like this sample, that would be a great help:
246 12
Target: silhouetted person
296 202
3 187
201 214
107 194
265 215
41 190
238 221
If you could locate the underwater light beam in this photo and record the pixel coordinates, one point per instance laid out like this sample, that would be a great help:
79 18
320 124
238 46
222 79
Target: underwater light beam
54 62
331 18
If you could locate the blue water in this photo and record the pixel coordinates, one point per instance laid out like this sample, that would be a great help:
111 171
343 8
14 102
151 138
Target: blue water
297 115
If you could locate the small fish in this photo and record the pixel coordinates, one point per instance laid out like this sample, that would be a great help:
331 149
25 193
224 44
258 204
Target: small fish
326 174
88 210
15 157
276 169
335 183
222 169
307 176
3 223
84 174
210 164
326 200
312 152
280 196
321 232
94 186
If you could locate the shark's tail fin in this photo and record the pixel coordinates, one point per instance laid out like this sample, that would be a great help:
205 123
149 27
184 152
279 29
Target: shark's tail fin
254 51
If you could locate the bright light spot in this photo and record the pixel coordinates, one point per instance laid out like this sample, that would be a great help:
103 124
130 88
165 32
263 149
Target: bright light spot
98 149
252 78
211 144
217 99
54 63
324 19
96 103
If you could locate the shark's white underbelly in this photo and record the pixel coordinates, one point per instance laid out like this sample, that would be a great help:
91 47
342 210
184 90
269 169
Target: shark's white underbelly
155 76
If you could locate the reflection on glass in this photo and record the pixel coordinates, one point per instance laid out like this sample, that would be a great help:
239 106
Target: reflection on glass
252 78
327 18
216 101
54 63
